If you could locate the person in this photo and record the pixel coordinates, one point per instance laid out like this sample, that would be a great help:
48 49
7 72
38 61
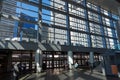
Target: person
23 68
76 65
15 71
44 66
66 65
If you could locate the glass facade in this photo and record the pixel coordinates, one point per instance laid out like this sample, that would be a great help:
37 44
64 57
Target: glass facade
88 25
6 25
72 22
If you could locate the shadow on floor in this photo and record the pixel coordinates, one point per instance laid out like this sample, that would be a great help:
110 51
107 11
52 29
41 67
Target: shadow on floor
70 75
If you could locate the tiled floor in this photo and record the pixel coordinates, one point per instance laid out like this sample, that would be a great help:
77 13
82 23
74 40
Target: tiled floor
69 75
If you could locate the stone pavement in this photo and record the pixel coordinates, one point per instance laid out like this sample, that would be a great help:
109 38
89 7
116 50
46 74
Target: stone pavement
69 75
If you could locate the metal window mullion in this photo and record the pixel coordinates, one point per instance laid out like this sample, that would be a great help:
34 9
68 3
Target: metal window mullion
113 31
87 24
39 34
102 28
54 19
68 24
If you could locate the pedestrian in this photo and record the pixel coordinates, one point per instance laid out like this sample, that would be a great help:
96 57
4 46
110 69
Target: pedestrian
15 71
76 65
66 65
44 66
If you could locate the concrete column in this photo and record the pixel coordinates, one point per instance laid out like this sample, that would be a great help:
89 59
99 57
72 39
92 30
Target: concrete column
38 60
107 65
103 65
91 61
91 58
70 59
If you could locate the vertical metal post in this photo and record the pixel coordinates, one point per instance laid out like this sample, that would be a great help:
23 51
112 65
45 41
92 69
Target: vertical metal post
68 24
53 65
118 26
39 37
87 24
102 28
118 29
113 31
54 18
30 62
21 34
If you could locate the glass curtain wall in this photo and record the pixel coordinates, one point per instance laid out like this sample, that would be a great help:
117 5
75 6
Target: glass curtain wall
7 7
28 15
19 19
87 24
77 22
54 23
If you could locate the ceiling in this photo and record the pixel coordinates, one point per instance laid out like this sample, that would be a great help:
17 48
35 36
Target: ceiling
111 5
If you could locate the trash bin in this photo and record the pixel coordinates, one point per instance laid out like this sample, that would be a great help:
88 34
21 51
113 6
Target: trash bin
114 69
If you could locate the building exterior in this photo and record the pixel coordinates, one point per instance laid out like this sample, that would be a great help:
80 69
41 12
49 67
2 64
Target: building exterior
65 31
89 29
7 26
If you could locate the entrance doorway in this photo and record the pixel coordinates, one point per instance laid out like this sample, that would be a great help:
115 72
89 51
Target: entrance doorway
26 58
54 60
57 60
8 58
83 59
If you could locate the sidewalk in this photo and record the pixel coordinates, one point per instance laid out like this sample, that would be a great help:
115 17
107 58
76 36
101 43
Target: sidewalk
69 75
